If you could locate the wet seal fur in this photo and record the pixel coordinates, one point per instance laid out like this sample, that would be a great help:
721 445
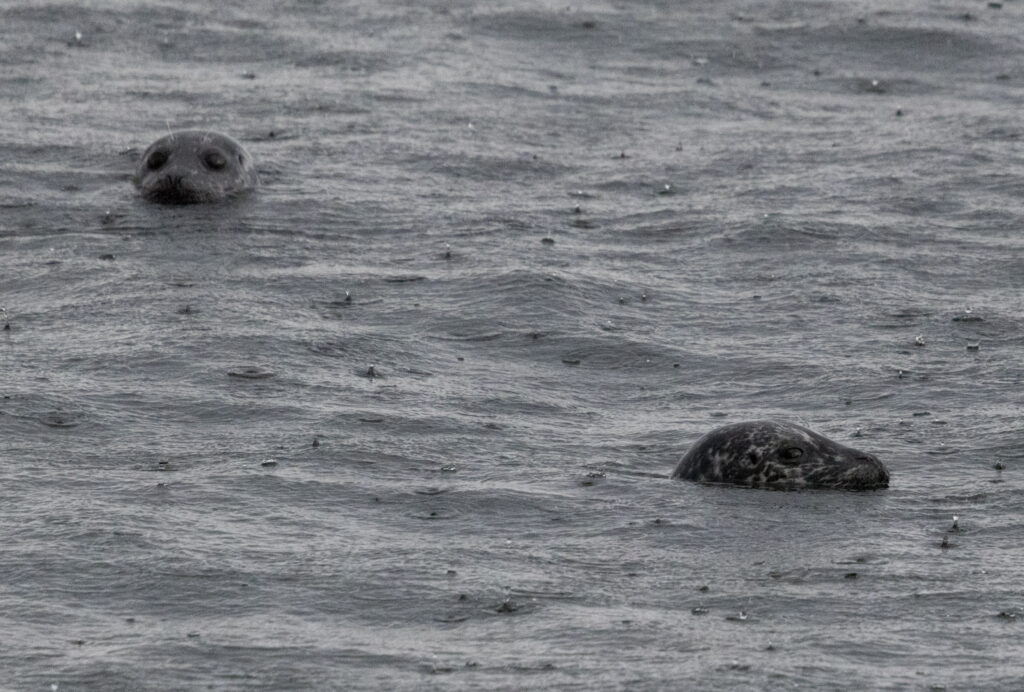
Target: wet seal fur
194 166
780 456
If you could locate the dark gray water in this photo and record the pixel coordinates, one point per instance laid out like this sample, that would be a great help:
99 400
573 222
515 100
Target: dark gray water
569 240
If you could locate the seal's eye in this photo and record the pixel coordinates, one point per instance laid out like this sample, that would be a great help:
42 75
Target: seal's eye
157 159
790 455
214 160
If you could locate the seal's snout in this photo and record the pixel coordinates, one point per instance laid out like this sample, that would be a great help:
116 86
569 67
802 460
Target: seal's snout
868 459
869 473
171 183
172 189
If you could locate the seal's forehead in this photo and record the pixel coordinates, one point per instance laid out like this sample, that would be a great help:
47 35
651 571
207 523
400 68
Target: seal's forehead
195 140
759 435
765 436
215 139
795 434
735 438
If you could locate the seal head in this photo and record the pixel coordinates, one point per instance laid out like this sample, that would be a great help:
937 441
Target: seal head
781 456
194 166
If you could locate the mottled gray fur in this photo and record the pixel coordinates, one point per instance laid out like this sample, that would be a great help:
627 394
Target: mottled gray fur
767 454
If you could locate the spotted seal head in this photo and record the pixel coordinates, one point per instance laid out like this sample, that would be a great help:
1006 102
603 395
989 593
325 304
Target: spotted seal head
194 166
782 456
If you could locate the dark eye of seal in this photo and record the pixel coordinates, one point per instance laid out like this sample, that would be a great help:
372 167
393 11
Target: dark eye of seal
790 455
215 160
156 160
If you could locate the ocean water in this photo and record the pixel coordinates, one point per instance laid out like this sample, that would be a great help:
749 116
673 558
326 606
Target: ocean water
569 239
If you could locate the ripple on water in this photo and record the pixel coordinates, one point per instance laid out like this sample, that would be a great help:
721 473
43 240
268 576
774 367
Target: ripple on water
251 372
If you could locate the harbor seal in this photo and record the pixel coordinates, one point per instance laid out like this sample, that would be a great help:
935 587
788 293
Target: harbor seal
194 166
781 456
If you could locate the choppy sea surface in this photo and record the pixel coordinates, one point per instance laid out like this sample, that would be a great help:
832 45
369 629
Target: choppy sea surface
569 239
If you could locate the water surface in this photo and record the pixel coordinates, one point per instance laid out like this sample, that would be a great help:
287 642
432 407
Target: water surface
569 240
